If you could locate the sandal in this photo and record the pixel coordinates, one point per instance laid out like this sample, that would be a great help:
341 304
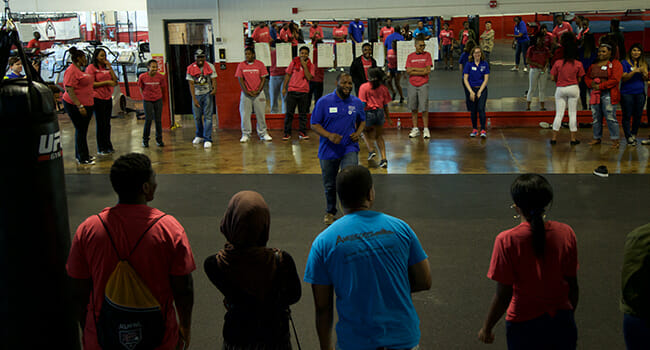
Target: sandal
595 142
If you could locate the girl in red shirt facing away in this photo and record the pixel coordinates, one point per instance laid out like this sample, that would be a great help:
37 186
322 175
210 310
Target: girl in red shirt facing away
375 97
78 101
105 80
393 73
152 86
535 265
567 73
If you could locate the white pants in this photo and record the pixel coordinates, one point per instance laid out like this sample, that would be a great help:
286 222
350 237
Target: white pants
566 96
246 106
536 79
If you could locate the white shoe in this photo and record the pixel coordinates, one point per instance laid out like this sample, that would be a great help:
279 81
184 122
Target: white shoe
266 137
426 134
414 132
197 140
515 69
525 69
244 138
207 144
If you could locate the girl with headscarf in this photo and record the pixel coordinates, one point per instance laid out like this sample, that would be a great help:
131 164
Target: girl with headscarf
258 283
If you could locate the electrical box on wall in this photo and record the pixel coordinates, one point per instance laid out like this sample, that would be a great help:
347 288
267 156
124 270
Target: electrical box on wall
294 10
493 4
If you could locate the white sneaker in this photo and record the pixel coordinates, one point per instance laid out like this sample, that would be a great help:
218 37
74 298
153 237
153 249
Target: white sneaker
514 69
414 132
244 138
525 69
197 140
426 134
207 144
266 137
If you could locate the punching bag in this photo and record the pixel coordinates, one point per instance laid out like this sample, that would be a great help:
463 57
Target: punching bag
35 299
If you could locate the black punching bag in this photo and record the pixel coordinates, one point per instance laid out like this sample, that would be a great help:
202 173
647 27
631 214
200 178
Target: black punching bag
35 299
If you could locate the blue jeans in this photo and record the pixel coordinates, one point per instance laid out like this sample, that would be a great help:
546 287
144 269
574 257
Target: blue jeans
604 109
80 123
636 333
275 91
632 106
330 168
477 107
522 48
545 332
203 116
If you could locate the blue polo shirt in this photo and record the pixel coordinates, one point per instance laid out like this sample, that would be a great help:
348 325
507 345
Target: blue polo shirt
634 85
340 117
476 73
521 28
389 40
356 30
424 31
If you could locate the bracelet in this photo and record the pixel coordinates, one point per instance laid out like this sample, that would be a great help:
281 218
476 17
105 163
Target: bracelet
80 106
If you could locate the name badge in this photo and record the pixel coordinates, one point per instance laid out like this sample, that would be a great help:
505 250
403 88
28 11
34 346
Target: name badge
334 110
603 68
473 68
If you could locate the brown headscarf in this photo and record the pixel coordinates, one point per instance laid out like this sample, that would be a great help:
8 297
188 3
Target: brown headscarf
247 265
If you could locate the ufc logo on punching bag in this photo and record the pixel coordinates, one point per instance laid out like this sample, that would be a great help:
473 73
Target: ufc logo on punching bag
50 146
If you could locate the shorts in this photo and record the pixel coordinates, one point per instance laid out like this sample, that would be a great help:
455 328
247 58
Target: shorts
375 117
418 97
446 50
393 71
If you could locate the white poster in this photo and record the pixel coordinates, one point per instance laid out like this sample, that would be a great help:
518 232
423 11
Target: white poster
325 55
378 53
60 29
358 51
432 48
283 54
404 48
343 54
263 53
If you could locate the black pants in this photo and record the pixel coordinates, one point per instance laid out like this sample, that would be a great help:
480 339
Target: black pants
152 112
584 90
300 99
103 109
315 90
80 123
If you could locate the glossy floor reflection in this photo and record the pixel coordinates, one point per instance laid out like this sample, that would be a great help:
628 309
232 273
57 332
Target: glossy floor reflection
449 151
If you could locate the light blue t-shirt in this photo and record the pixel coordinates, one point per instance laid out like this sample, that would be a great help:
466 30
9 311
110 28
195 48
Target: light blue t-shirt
365 256
340 117
424 31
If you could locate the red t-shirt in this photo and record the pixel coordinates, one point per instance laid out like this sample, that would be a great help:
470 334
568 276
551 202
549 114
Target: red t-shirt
262 35
163 251
298 82
419 61
538 56
318 30
374 99
252 73
274 70
538 285
82 84
99 75
558 31
366 64
446 36
385 32
568 73
342 32
152 86
34 44
391 59
465 33
285 35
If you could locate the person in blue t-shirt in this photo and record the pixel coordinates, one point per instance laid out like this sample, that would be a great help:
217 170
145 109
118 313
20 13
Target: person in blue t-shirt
475 77
635 73
355 30
422 30
339 119
396 36
372 262
15 68
522 41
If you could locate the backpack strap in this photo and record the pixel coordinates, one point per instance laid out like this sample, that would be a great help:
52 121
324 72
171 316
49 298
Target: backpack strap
138 241
277 262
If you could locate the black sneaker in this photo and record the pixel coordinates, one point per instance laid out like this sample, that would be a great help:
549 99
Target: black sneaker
145 143
383 163
160 144
371 155
86 162
601 171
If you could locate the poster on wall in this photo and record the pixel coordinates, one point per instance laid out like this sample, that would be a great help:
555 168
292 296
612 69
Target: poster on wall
263 53
325 55
54 28
343 54
404 48
432 48
158 57
378 53
283 54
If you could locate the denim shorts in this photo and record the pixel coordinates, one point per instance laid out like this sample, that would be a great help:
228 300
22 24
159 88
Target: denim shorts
375 117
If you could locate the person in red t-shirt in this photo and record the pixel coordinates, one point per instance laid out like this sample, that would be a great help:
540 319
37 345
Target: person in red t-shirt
538 57
163 259
296 92
387 30
105 80
393 73
78 101
447 40
251 75
375 97
315 32
561 27
34 43
567 73
535 265
262 33
152 86
418 67
360 65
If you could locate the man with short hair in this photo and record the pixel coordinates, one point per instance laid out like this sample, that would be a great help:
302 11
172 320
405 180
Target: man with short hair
296 93
561 27
422 32
386 30
202 79
162 259
251 75
360 65
372 262
396 36
418 67
356 30
262 34
34 43
315 32
339 119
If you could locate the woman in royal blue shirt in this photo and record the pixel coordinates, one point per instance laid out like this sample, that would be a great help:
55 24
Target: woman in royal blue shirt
475 77
635 73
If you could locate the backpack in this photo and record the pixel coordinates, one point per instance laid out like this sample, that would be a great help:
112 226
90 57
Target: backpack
130 317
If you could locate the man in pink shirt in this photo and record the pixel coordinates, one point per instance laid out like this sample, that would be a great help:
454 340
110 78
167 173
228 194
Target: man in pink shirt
446 40
154 243
262 34
251 75
152 85
340 32
561 27
386 30
315 32
296 92
418 67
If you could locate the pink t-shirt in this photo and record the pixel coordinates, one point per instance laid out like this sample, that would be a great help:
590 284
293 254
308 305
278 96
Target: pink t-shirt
465 33
366 65
152 86
419 61
557 31
374 99
163 251
262 35
385 32
298 82
82 84
538 56
446 36
391 59
568 73
318 30
342 32
99 75
252 73
538 285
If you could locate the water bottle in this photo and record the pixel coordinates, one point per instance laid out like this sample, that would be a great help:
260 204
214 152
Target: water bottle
489 123
399 123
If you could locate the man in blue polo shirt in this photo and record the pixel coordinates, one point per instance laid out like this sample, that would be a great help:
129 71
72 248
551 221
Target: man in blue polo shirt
339 119
422 32
372 262
388 42
355 30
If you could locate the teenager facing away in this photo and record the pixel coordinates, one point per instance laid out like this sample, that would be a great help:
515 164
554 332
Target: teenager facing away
375 97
